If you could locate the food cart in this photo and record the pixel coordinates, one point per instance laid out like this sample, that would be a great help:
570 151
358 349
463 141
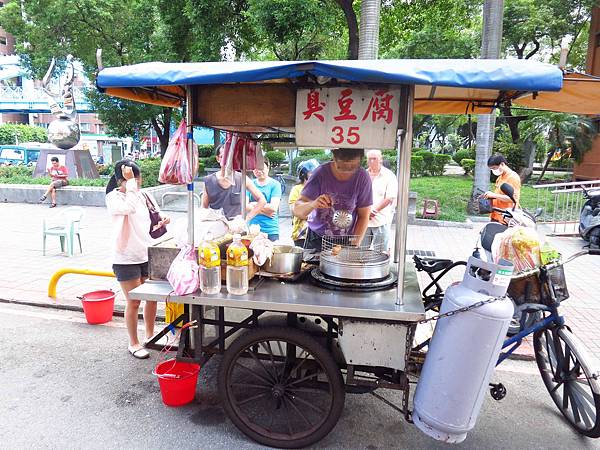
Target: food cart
291 350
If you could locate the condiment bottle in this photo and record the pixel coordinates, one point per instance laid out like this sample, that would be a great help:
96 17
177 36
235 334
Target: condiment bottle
237 267
209 258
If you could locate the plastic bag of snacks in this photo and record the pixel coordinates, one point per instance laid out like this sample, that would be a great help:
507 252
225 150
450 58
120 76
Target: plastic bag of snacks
519 245
176 167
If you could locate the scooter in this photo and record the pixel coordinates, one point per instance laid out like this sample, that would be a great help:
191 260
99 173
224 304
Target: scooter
589 218
513 217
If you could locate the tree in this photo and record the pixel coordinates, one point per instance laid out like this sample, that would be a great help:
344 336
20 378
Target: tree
564 133
430 29
171 31
295 29
490 48
529 28
352 23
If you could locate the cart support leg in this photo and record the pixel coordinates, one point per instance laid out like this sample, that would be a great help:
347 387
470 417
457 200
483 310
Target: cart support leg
404 147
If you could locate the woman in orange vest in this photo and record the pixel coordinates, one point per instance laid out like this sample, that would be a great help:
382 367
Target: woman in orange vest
499 167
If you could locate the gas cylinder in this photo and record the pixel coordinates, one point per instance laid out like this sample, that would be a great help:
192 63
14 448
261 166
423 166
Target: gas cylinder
463 352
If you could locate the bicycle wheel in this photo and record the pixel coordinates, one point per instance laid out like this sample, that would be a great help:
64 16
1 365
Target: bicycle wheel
570 377
280 387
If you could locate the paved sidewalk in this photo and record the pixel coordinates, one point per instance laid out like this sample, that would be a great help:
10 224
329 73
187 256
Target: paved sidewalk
25 273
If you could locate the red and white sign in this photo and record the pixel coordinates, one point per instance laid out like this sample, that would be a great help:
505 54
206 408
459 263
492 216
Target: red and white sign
347 117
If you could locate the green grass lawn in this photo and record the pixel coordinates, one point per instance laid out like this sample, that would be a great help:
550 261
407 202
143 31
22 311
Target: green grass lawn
452 192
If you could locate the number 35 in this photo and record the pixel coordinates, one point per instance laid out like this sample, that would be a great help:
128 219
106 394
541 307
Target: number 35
352 136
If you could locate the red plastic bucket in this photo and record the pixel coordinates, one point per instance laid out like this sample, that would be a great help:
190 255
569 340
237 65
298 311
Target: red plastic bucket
177 381
98 306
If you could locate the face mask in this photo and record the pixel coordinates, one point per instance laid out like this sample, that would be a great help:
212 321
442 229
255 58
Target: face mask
497 172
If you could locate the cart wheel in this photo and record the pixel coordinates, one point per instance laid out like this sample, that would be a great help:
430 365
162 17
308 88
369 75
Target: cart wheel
280 387
569 377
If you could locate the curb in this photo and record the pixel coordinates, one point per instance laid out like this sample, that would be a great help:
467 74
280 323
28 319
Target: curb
117 312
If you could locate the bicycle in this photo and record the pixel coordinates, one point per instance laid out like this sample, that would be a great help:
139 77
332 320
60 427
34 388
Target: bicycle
281 181
570 375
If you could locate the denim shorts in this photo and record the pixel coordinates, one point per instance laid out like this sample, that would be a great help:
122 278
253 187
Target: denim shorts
126 272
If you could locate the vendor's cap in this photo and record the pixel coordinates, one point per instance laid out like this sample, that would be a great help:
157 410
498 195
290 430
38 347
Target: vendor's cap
307 166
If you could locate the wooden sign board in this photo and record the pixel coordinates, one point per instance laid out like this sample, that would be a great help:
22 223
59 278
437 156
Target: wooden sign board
251 107
347 117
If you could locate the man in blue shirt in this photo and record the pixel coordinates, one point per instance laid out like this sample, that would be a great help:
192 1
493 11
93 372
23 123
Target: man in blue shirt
267 219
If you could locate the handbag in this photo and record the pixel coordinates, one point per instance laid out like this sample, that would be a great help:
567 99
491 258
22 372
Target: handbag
484 205
155 218
183 272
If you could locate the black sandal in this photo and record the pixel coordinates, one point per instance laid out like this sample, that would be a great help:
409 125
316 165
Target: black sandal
52 205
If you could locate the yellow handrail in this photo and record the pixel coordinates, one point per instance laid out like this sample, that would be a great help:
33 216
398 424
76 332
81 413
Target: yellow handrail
59 273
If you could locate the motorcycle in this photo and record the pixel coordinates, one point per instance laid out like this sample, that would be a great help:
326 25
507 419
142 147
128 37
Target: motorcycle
589 218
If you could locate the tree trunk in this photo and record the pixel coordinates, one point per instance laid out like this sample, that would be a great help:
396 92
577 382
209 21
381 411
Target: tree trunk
490 48
352 23
216 138
546 164
529 150
369 29
163 130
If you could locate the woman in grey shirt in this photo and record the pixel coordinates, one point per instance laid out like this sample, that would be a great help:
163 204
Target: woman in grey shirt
220 193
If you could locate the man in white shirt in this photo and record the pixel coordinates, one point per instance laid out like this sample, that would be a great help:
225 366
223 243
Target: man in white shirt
385 187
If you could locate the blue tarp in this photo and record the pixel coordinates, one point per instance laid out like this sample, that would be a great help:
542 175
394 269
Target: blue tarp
504 74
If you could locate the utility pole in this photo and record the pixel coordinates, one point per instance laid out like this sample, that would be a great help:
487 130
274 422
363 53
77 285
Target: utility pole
491 41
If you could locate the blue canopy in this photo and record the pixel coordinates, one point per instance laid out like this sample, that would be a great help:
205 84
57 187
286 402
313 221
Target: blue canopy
442 86
504 74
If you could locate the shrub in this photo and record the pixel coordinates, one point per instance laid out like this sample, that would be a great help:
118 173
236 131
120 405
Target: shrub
322 157
463 153
210 162
275 157
105 169
468 165
428 162
439 161
150 168
417 166
308 153
25 133
206 150
15 171
512 152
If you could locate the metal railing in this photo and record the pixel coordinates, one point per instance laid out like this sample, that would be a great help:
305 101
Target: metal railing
562 203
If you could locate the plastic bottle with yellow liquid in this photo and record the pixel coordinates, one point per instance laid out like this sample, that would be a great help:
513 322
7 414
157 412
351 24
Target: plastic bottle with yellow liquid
237 267
209 258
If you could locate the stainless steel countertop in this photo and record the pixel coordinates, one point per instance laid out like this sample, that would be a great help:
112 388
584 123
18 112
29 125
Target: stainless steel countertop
304 298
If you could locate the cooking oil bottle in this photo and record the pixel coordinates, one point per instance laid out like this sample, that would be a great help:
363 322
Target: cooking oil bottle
210 266
237 267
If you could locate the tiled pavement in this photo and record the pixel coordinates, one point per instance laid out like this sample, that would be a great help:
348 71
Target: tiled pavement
24 272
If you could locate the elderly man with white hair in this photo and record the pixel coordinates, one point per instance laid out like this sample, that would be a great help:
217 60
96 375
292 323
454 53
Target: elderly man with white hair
385 187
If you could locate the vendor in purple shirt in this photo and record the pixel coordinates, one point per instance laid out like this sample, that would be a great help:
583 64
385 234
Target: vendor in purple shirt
341 184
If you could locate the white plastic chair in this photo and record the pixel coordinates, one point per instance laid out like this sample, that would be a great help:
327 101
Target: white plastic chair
65 225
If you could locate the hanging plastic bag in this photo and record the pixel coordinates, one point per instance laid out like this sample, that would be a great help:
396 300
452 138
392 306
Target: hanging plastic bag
519 245
176 166
183 273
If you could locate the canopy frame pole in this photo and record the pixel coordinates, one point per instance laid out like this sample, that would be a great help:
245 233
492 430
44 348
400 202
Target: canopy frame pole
190 189
404 149
244 189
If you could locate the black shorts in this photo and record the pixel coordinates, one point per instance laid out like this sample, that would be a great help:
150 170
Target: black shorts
126 272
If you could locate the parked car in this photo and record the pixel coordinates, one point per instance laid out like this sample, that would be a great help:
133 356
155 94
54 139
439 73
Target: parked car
18 155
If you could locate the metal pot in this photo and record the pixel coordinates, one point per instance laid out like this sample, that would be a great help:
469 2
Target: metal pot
285 259
355 264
